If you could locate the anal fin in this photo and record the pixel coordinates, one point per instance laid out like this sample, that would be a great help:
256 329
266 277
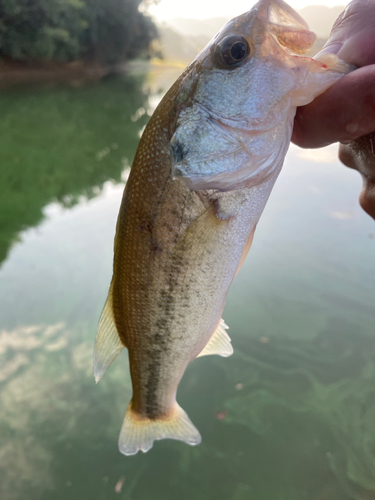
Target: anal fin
219 343
108 344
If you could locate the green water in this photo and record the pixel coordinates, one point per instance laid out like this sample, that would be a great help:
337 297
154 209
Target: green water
290 416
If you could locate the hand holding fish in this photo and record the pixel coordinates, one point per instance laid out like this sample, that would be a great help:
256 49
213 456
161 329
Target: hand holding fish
345 112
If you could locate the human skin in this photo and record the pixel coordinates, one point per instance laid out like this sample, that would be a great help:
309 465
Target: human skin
345 113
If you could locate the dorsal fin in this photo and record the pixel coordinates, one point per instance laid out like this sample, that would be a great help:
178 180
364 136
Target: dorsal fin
219 343
107 343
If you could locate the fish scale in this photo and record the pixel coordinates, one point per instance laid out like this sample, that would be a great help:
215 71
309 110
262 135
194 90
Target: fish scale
203 171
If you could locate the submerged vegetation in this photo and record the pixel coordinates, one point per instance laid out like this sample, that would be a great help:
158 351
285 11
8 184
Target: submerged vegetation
300 425
105 31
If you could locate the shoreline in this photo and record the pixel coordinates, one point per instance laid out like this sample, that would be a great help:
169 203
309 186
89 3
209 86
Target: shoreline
74 73
18 73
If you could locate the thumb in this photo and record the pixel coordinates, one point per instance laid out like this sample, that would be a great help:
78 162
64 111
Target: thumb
352 37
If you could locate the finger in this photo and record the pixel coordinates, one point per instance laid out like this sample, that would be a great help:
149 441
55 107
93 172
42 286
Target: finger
343 113
367 198
360 155
352 36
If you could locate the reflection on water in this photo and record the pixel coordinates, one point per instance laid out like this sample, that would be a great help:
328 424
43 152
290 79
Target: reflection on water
62 144
289 416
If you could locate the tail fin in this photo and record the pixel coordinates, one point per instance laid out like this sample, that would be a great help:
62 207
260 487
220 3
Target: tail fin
138 433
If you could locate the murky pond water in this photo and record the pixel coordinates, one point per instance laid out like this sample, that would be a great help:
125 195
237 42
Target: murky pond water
290 416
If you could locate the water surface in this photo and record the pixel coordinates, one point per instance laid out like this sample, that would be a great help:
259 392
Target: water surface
290 416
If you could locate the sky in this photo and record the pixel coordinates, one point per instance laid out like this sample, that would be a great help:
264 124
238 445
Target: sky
201 9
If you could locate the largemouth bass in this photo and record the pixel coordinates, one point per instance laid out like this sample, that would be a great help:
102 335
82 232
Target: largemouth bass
202 174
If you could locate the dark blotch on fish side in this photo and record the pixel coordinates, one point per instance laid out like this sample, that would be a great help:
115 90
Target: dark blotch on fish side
179 151
160 339
145 227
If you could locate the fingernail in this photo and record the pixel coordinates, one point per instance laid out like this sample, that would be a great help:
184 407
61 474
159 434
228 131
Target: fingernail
332 48
352 128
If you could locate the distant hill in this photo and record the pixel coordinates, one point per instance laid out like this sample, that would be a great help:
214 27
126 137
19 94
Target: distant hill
176 46
198 27
182 39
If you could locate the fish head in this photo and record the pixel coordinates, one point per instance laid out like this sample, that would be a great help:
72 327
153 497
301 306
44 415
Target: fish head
237 100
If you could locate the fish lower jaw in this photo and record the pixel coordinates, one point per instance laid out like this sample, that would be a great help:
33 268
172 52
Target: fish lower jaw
233 180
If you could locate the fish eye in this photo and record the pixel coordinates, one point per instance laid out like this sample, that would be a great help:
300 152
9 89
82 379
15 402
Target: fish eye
231 51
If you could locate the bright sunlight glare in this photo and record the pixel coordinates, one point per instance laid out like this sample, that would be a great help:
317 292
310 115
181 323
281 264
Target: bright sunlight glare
203 9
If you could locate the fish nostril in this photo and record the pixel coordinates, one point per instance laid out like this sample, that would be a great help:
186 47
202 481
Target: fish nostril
179 151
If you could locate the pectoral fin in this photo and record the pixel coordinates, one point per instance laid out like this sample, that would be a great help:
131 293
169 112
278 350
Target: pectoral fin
107 343
219 343
246 249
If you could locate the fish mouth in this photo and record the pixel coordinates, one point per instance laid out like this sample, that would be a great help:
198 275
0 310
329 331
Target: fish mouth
235 179
236 131
243 165
253 126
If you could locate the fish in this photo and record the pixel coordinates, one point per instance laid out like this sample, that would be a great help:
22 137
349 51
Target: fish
202 174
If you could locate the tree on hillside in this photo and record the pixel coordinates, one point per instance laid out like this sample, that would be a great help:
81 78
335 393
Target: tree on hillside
107 31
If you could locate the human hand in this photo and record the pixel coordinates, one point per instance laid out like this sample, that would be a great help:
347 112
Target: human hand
346 111
360 154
